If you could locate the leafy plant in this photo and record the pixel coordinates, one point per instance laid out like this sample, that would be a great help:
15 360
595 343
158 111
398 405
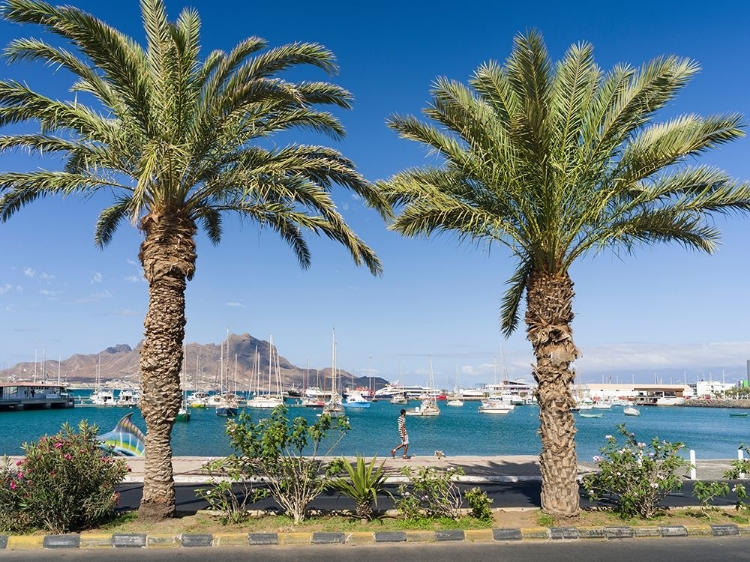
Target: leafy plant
707 491
636 476
221 496
285 454
430 492
65 483
479 503
363 484
739 468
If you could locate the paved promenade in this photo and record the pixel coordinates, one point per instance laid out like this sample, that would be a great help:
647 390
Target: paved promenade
476 469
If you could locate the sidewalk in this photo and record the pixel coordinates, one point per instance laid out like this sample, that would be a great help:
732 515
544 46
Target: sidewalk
476 469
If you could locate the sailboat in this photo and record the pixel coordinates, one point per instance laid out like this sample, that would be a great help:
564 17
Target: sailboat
428 407
268 398
456 399
226 403
334 406
101 396
183 414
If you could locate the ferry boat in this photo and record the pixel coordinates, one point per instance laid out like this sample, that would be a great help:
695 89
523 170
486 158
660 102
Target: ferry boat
34 396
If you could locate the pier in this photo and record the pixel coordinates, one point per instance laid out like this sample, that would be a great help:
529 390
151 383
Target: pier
34 396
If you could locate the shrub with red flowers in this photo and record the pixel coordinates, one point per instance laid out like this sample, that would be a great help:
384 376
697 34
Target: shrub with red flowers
65 483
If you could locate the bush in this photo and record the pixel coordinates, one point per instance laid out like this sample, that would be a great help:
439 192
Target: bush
739 467
66 483
221 495
480 504
433 493
284 454
363 484
637 477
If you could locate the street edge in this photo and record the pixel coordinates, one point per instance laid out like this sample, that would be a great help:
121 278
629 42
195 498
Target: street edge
500 535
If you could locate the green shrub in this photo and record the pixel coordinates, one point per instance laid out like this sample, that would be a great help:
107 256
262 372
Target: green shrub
635 475
65 483
224 474
363 484
431 492
285 454
739 467
707 491
479 503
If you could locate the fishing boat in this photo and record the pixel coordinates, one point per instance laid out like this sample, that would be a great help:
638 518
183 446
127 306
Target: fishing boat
183 414
590 415
355 399
429 406
198 399
738 415
631 411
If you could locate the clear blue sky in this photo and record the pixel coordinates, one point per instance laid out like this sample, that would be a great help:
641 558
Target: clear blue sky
662 310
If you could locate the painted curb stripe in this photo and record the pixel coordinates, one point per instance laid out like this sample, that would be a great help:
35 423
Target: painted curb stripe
26 542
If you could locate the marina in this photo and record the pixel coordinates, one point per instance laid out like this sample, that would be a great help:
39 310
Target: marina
458 431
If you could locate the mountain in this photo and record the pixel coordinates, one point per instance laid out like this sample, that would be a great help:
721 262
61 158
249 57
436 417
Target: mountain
119 366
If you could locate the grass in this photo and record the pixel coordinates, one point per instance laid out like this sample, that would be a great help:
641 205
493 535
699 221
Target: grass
205 522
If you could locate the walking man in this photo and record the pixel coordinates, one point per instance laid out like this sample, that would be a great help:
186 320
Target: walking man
404 436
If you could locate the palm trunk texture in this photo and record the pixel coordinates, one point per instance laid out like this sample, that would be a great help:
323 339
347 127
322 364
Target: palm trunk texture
548 318
168 259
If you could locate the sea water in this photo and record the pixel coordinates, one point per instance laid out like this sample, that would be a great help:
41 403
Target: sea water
462 430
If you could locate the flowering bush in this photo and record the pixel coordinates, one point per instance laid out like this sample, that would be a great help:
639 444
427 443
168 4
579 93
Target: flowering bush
480 504
65 483
637 476
431 492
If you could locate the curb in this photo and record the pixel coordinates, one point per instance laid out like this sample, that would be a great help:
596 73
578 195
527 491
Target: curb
504 535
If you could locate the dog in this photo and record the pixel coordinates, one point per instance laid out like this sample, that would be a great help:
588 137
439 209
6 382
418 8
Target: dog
440 454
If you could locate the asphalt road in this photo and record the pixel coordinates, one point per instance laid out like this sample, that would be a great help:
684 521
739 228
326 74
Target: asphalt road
678 549
503 495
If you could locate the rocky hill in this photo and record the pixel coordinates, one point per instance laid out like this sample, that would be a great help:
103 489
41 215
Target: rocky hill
119 366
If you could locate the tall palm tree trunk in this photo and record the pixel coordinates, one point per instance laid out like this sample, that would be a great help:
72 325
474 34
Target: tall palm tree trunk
548 318
168 259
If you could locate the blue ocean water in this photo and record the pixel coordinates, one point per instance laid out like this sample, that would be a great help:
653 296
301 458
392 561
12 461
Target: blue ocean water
711 432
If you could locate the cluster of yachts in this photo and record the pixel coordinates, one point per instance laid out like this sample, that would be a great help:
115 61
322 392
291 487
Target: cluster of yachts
125 398
588 408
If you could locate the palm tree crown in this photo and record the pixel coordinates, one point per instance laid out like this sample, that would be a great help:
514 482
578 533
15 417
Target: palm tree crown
170 131
556 161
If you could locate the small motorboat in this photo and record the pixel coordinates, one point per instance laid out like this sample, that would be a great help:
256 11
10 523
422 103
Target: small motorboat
588 415
738 415
630 411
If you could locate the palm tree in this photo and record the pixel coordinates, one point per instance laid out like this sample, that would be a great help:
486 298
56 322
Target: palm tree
179 141
555 162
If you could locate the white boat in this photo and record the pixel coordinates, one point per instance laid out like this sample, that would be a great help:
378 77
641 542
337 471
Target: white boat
429 406
411 391
454 402
226 403
399 398
355 399
495 405
630 411
669 401
267 397
334 407
591 415
602 406
198 399
128 398
103 397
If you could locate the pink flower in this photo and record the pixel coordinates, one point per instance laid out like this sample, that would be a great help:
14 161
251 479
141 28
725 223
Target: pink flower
19 463
68 456
12 485
58 445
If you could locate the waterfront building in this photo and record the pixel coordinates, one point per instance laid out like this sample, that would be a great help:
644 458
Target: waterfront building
34 396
